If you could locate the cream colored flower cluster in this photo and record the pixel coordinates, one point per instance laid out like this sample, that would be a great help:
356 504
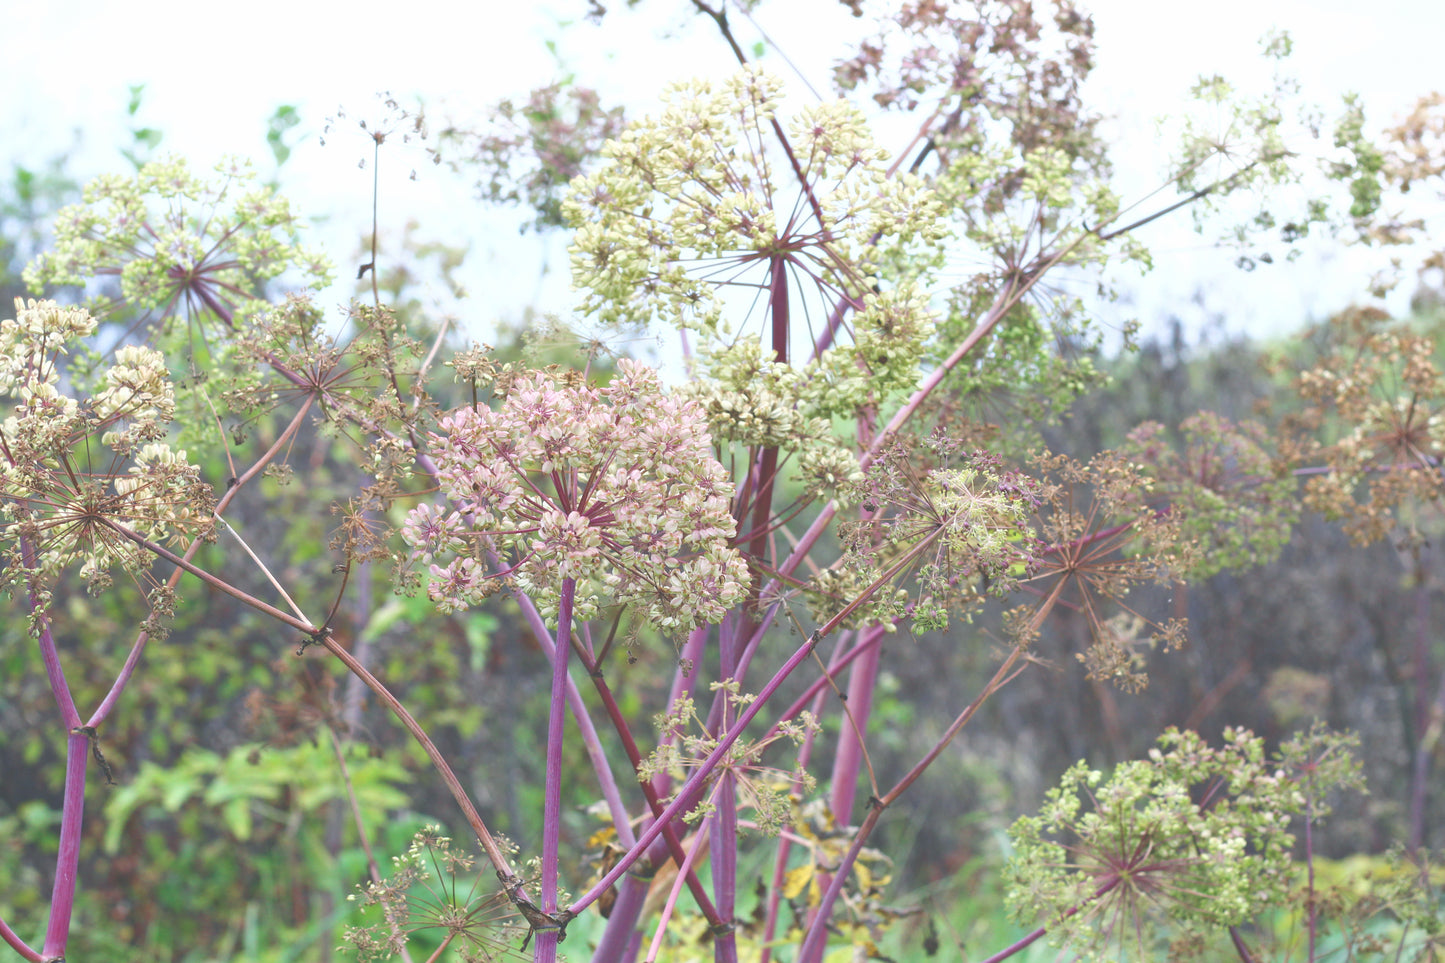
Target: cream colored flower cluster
62 489
690 200
615 487
180 244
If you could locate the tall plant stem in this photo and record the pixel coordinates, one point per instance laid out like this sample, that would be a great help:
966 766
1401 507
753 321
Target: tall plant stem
77 746
688 795
13 940
766 464
626 908
724 822
691 790
1427 723
816 938
74 798
596 753
848 758
545 950
805 753
1018 946
684 868
67 860
107 705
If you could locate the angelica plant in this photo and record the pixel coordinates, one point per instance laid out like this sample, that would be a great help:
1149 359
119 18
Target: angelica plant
827 478
68 507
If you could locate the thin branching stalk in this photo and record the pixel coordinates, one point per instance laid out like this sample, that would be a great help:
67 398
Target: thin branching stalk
338 751
673 893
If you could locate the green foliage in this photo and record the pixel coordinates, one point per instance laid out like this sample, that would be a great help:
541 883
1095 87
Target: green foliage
283 120
249 779
144 140
1362 170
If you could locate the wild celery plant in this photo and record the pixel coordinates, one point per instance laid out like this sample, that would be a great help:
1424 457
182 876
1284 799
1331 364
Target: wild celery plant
845 383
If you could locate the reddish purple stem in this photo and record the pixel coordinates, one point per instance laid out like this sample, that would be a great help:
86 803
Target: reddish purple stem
546 943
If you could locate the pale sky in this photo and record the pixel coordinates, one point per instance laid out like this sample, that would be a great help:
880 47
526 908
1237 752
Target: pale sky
215 72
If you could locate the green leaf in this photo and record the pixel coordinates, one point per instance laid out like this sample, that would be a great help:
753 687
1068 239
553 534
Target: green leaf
279 123
147 136
119 806
237 814
182 786
24 184
479 627
391 613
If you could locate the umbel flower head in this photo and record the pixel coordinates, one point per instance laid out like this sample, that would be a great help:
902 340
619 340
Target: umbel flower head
709 196
1194 837
180 244
63 500
615 487
434 888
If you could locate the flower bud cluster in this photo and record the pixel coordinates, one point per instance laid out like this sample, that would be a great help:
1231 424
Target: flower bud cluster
1112 863
49 496
181 244
615 487
692 200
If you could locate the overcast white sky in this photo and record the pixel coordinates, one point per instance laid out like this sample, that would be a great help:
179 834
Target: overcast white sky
215 72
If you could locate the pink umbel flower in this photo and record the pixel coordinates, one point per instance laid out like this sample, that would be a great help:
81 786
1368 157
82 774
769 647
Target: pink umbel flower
615 487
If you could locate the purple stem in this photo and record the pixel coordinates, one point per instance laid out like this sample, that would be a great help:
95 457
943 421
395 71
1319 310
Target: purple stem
132 659
1036 935
1420 669
67 861
596 754
59 688
816 689
724 823
848 759
816 939
683 684
1311 910
1237 939
624 917
17 944
1020 945
688 795
1421 772
546 944
674 891
725 866
692 789
622 921
68 858
616 941
805 755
